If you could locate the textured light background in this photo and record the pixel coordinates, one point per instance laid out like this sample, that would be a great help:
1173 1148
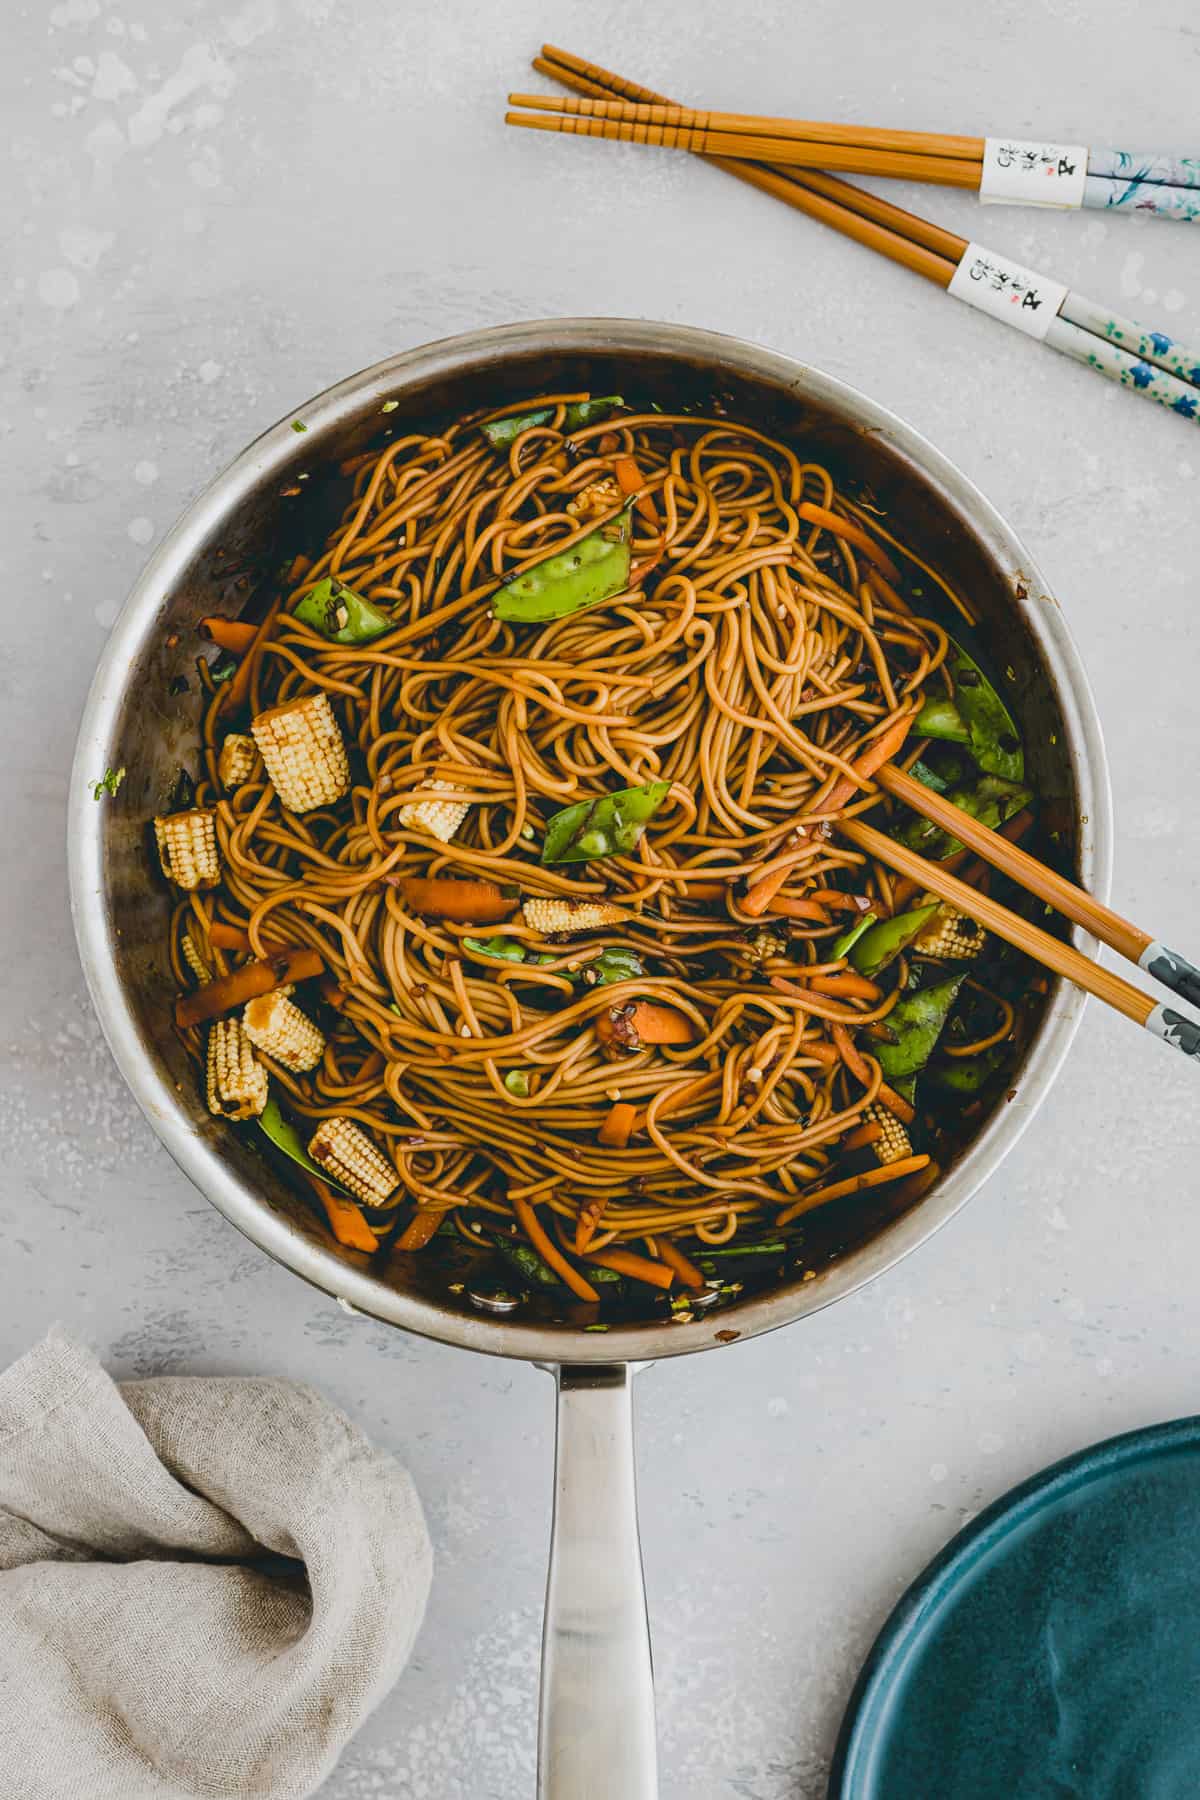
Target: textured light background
213 208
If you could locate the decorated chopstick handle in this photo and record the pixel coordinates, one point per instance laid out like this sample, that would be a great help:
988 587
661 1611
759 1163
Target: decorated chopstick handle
1034 172
1032 303
1173 970
1182 1034
1139 340
1146 168
1105 192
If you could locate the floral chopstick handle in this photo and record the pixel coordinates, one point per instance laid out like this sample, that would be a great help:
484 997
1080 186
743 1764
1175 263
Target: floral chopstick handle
1146 168
1173 970
1118 365
1102 192
1141 341
1182 1034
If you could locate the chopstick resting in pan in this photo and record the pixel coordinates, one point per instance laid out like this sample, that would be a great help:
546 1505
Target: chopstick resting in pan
1147 361
1004 170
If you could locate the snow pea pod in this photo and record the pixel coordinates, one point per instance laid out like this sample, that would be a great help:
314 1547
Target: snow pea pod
992 800
968 1074
613 964
976 716
606 826
285 1137
500 433
887 938
592 570
844 944
340 614
916 1022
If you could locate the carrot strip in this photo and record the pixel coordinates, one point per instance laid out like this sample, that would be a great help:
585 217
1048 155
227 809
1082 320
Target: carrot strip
629 480
851 1055
853 1184
420 1228
862 1135
641 1022
301 564
839 902
243 984
760 893
238 690
706 890
549 1252
853 534
618 1126
236 635
345 1219
895 1104
847 983
641 1268
787 908
227 937
585 1225
462 902
683 1266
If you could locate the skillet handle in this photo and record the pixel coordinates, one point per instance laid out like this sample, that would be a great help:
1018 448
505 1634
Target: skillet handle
596 1730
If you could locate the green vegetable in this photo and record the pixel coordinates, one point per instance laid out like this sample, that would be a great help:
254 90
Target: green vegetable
222 668
500 433
884 942
341 615
285 1137
517 1082
591 571
916 1022
976 716
921 771
527 1261
992 800
109 782
968 1074
607 826
613 964
848 939
770 1247
299 425
506 948
594 1272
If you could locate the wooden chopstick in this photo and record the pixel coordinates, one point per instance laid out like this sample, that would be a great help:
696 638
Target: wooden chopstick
1128 940
852 159
1052 953
690 118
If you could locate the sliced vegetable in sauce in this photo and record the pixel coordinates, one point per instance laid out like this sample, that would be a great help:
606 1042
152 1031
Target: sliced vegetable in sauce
613 964
589 572
976 716
886 939
108 783
610 825
916 1022
500 433
992 800
517 1082
340 614
285 1137
968 1074
506 949
842 946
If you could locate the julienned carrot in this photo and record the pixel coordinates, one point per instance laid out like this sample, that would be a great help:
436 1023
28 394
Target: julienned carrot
760 893
420 1228
853 534
839 902
853 1184
896 1104
862 1135
234 989
549 1252
585 1225
846 983
227 937
850 1054
627 1262
786 908
345 1219
629 480
639 1022
236 635
238 690
462 902
683 1266
618 1126
821 1052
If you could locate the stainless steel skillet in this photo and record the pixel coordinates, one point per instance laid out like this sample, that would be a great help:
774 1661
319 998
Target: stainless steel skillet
597 1725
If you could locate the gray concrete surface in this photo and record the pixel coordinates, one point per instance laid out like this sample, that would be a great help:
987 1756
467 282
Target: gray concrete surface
213 208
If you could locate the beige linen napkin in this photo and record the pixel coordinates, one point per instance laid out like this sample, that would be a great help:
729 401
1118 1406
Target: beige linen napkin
205 1583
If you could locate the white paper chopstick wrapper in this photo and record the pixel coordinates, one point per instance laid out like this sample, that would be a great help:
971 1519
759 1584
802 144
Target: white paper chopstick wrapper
1021 172
997 285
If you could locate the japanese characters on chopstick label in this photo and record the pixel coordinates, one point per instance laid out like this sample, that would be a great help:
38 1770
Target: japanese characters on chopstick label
997 285
1019 172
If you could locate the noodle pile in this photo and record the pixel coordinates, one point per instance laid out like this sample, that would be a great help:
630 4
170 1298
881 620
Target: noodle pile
763 651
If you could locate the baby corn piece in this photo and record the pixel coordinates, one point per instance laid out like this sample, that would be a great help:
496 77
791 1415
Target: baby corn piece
895 1144
237 1081
570 915
349 1156
236 762
187 848
440 818
277 1027
190 950
950 934
301 744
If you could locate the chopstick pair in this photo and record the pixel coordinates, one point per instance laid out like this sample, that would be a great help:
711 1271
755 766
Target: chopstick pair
1149 362
1004 170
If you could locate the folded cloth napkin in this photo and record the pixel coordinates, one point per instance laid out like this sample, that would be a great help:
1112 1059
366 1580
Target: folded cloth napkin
205 1583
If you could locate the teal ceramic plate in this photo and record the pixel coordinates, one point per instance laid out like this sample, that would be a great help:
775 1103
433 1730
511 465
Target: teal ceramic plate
1053 1649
